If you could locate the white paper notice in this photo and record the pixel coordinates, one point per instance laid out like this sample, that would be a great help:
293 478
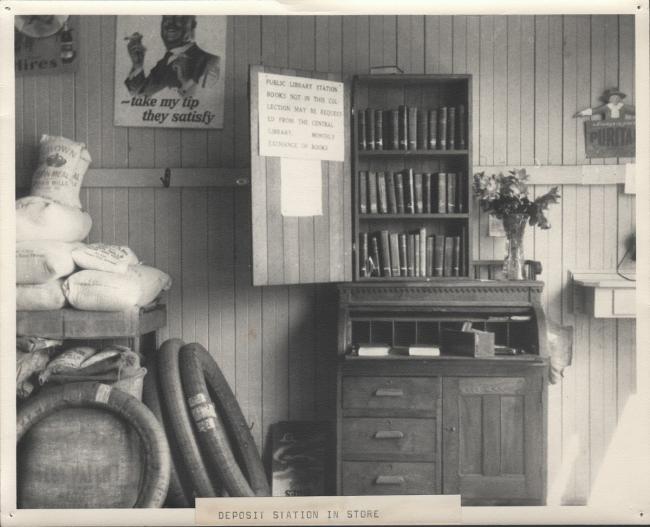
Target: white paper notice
301 187
630 178
301 117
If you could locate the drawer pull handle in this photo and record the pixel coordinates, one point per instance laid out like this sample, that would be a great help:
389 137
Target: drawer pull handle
389 434
389 480
389 392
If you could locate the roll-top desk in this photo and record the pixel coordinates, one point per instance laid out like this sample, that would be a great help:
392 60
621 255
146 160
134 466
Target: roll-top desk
443 425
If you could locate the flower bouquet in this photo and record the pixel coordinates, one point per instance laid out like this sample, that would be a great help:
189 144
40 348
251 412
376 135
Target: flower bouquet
506 196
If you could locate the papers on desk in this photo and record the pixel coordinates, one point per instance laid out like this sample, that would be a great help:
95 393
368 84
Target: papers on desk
424 351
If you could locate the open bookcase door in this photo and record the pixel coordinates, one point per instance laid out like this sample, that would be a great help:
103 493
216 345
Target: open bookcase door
299 250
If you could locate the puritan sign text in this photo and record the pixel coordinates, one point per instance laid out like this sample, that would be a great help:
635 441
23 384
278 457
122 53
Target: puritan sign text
610 138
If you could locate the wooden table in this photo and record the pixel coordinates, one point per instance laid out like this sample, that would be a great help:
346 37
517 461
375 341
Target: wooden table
68 323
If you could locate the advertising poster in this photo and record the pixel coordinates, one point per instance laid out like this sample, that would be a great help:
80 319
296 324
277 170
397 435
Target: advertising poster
45 44
169 71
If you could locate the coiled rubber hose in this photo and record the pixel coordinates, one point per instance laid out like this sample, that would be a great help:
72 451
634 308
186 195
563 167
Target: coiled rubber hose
176 496
155 481
198 367
172 391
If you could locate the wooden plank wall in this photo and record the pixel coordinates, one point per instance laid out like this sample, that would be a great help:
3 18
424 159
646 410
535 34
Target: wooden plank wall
275 344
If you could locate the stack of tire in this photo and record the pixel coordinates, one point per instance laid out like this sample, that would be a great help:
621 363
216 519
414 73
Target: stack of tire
213 451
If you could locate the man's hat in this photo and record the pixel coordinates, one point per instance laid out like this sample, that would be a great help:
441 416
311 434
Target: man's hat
612 91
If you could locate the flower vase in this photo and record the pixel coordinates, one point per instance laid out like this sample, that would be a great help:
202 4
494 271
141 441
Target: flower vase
514 226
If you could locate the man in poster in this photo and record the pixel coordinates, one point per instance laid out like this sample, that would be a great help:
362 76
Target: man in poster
185 66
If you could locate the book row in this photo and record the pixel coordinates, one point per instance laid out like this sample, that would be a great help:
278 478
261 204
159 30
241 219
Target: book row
410 254
412 128
407 192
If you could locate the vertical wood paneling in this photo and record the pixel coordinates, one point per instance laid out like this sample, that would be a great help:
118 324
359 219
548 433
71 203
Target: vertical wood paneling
499 97
598 80
583 81
221 143
555 85
193 255
275 344
527 114
542 89
513 93
569 90
248 319
168 221
221 279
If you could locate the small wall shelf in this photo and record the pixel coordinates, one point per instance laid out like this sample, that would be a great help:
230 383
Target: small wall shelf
604 294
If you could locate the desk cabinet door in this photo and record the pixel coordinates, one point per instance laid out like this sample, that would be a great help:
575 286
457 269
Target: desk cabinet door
493 439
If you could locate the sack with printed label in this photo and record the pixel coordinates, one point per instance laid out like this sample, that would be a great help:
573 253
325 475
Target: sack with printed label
40 297
40 218
104 291
62 164
102 257
39 261
151 281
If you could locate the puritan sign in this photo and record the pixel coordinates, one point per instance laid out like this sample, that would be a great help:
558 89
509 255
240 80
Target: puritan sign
610 138
301 117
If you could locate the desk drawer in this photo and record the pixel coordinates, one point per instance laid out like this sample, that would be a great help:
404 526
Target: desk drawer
363 478
389 438
414 394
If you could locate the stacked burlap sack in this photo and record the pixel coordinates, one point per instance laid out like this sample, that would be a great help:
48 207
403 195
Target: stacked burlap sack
53 267
39 361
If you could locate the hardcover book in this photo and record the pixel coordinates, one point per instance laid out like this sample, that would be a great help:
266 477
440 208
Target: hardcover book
455 261
370 129
394 130
423 251
410 203
399 190
438 254
433 129
394 254
442 192
460 119
403 127
416 255
451 192
442 128
403 269
423 136
451 128
410 254
412 128
385 254
375 261
379 130
361 128
449 255
382 198
392 195
363 256
419 202
429 257
372 192
363 191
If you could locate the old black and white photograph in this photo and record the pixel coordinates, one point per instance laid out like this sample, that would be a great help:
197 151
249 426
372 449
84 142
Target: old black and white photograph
339 259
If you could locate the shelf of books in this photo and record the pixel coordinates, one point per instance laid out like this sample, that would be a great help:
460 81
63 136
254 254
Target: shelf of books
411 170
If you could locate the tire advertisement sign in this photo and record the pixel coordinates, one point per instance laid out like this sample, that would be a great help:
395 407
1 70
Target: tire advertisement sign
45 44
610 138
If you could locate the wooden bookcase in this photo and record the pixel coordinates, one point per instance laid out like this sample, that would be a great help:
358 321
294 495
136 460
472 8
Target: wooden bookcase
424 92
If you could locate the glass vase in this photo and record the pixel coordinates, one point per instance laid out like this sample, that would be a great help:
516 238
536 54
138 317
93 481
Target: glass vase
514 226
